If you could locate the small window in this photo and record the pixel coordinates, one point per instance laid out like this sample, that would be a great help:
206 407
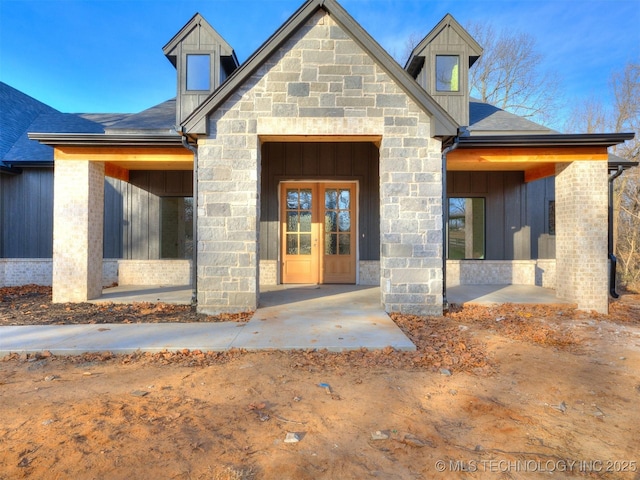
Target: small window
447 73
198 72
466 232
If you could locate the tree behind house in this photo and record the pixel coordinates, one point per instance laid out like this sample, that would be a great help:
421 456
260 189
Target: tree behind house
509 75
623 115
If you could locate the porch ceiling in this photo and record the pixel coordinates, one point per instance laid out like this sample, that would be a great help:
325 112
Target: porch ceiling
119 161
536 163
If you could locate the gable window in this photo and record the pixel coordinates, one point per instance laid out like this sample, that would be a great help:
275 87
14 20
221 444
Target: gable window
447 73
466 231
198 72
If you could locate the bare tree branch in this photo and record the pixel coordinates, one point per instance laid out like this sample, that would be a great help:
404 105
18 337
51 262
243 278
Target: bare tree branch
509 75
622 115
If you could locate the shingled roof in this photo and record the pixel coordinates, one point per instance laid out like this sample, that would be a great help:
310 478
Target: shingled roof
158 119
487 119
21 114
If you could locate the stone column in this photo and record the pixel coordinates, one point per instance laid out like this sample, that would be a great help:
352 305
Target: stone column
78 211
228 219
411 225
581 234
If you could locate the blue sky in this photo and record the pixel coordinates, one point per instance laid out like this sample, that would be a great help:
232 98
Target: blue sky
106 55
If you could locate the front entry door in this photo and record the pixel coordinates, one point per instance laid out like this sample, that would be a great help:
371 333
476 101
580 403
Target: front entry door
318 222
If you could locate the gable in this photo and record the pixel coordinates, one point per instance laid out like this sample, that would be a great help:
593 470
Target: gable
343 30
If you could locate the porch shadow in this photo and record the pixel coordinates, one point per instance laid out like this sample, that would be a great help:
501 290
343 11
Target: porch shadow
272 295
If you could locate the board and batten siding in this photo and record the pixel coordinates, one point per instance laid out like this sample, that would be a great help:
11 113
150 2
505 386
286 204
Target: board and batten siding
131 213
516 212
26 214
316 161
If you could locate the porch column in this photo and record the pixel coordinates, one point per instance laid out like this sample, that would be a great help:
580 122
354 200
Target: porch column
78 210
581 234
411 225
228 219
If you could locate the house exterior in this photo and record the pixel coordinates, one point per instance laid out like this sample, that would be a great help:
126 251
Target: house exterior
141 244
321 160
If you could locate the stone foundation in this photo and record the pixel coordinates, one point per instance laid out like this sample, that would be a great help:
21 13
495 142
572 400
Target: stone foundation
541 272
154 272
269 272
369 272
39 271
24 271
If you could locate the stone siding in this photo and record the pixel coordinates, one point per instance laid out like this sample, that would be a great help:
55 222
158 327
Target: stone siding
320 82
581 234
154 272
39 271
546 273
24 271
109 272
269 272
368 272
501 272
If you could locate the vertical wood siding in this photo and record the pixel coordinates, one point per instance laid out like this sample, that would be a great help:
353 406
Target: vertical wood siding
131 213
26 218
321 161
516 212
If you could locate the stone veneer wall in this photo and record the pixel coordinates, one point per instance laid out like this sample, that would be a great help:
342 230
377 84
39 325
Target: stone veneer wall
581 234
368 272
269 272
78 209
320 82
154 272
39 271
24 271
501 272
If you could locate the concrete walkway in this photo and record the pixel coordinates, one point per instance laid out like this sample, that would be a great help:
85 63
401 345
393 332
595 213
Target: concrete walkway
333 317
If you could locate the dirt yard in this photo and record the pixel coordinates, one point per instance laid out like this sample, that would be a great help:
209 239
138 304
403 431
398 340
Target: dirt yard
500 392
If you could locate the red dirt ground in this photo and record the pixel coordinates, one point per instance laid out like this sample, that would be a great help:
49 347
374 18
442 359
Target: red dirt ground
501 392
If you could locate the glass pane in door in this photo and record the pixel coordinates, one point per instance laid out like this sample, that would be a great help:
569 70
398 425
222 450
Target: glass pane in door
337 219
298 215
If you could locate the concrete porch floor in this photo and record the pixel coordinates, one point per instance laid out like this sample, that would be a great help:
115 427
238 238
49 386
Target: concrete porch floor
274 295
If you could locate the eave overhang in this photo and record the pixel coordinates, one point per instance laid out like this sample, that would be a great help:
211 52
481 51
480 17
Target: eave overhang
120 153
535 155
99 139
8 170
545 140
